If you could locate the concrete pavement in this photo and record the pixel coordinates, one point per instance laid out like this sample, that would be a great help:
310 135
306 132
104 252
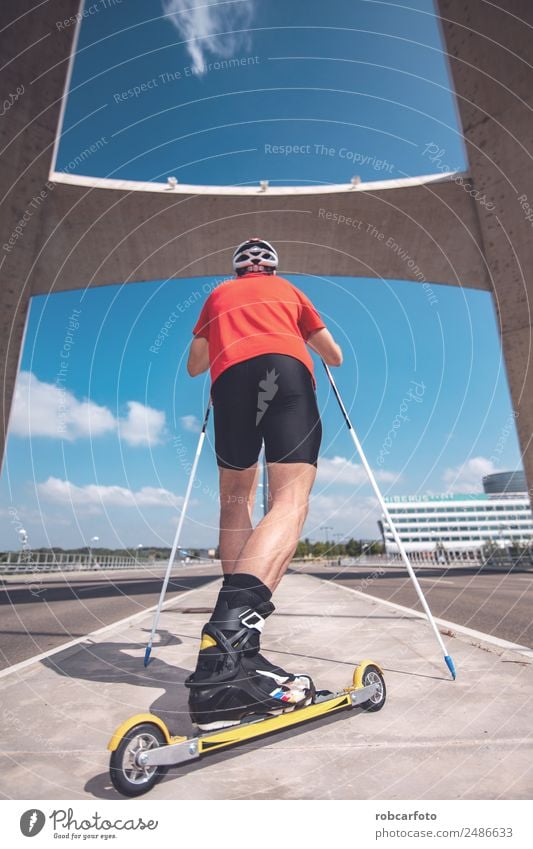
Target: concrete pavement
434 739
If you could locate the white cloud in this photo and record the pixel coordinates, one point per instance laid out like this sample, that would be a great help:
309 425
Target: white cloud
351 516
191 423
200 22
47 409
349 513
91 495
143 425
467 477
342 470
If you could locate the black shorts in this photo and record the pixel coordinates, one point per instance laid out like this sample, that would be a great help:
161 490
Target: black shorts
270 397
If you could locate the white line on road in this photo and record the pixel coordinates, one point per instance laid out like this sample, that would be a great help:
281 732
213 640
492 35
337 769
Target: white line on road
438 581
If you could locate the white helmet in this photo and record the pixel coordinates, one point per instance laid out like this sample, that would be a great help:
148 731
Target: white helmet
255 255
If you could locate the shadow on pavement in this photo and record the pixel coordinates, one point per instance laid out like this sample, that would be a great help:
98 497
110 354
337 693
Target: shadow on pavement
113 663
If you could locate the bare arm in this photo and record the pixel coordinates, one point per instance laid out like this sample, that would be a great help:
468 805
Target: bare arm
198 361
323 343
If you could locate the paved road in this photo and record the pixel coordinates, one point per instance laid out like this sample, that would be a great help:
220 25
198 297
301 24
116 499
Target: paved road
36 617
41 612
495 603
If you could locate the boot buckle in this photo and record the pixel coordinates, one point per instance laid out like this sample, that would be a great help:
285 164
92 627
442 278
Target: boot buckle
252 619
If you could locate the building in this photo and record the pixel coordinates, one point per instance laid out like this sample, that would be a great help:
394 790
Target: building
505 483
455 527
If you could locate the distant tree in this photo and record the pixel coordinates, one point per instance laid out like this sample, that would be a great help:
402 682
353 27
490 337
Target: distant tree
353 548
318 549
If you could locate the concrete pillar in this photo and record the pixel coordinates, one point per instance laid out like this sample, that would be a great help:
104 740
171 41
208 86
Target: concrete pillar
35 58
491 52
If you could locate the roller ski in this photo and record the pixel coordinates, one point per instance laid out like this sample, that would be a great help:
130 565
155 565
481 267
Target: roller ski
143 749
235 694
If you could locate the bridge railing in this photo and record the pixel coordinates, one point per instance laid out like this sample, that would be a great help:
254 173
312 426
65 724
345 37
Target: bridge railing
24 562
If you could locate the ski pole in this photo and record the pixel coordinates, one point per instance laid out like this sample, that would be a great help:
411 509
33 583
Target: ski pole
192 476
447 659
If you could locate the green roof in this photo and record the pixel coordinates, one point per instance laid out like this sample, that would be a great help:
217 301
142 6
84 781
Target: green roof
406 499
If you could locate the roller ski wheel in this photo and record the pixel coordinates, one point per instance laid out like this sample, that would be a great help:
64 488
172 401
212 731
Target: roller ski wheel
128 774
366 674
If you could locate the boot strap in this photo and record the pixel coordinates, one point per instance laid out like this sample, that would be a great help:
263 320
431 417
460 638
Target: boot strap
237 617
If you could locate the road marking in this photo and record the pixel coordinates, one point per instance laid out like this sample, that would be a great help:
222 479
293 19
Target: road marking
438 581
461 629
17 667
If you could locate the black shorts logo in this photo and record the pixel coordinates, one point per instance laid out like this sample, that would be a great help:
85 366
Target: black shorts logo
32 822
268 388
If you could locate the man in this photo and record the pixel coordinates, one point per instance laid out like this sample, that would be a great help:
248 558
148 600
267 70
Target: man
252 334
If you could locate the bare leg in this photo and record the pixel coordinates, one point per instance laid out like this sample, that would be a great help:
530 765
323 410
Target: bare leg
237 495
269 548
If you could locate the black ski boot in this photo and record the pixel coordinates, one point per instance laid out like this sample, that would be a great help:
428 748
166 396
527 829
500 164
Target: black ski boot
232 680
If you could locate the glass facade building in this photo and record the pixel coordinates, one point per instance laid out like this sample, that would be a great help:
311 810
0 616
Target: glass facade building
457 524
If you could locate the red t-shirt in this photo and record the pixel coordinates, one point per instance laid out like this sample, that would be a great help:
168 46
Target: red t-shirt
256 314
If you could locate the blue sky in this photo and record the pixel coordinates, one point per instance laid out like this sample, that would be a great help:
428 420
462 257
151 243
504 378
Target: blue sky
103 447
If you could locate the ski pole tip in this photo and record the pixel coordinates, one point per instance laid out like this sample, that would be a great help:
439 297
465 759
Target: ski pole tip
451 666
147 654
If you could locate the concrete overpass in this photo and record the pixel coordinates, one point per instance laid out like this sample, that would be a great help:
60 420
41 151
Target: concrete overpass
61 231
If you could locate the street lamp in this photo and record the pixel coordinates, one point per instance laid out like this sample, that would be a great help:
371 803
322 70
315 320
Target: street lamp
23 537
326 528
90 547
337 548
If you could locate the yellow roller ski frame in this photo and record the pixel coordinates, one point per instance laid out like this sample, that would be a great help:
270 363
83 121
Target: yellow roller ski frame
142 747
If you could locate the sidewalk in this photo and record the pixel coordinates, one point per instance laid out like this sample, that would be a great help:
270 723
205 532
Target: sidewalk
434 739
